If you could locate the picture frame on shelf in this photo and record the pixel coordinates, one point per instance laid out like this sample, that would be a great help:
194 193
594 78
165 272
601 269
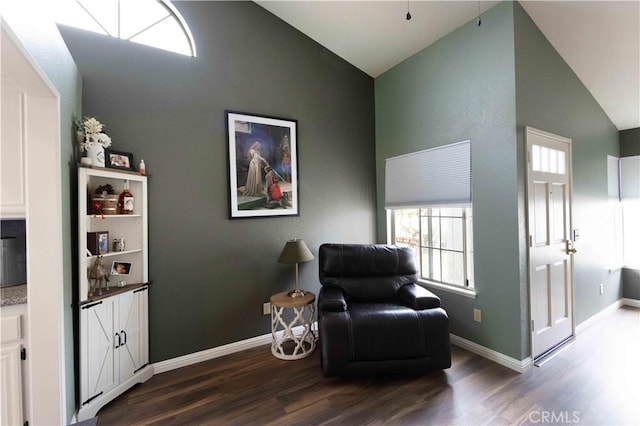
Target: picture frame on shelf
98 242
121 268
262 165
118 160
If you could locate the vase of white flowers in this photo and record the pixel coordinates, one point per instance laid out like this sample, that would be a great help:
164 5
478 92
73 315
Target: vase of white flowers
92 140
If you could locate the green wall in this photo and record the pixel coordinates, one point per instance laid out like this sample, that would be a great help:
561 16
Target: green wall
40 37
550 97
630 142
463 87
485 84
210 274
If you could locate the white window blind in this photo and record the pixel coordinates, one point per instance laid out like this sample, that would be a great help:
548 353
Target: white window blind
433 177
630 178
613 177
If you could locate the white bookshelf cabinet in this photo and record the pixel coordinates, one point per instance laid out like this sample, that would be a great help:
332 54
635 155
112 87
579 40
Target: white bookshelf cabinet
114 327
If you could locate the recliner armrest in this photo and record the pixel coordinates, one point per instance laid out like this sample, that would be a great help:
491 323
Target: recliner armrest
331 300
417 297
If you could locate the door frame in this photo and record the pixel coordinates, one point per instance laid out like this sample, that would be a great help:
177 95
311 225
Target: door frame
43 191
527 141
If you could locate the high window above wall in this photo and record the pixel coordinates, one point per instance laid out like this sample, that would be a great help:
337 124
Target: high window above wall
154 23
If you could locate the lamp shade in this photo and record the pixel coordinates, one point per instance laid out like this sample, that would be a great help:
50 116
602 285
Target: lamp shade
295 251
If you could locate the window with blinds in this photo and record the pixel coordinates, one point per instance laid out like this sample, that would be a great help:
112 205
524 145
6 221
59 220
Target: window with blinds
624 204
437 177
428 199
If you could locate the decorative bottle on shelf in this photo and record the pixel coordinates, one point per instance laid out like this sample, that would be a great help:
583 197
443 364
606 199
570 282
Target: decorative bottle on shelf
143 168
125 201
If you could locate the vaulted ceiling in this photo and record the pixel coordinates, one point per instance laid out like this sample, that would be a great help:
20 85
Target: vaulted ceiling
600 40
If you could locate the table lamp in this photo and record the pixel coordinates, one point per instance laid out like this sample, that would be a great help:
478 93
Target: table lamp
295 251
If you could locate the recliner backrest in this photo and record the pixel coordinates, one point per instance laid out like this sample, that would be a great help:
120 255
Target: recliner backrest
367 272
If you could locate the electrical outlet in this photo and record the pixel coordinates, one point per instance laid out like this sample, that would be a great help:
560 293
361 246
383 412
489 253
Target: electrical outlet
477 315
601 288
266 308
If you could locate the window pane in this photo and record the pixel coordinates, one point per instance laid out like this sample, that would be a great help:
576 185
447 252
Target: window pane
451 234
137 15
431 264
105 12
407 227
75 16
452 267
167 35
434 241
535 150
553 160
561 162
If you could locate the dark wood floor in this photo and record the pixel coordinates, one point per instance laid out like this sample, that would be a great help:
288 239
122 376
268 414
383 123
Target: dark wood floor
595 381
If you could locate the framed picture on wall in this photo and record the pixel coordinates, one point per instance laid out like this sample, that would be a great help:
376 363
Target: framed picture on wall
263 166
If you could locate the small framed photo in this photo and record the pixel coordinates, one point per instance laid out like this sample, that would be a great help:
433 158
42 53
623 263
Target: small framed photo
119 160
263 166
121 268
98 242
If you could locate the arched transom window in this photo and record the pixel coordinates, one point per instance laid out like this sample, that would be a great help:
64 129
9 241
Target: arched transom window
155 23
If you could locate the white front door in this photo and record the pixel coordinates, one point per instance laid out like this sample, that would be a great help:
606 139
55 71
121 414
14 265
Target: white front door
550 244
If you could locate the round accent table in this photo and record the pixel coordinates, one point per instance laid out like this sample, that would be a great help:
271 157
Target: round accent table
288 313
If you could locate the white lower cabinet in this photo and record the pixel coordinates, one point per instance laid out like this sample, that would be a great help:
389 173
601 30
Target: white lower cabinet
14 392
11 408
114 348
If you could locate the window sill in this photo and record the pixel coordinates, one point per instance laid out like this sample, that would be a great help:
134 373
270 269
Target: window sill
455 290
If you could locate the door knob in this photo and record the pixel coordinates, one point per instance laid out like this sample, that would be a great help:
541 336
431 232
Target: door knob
571 251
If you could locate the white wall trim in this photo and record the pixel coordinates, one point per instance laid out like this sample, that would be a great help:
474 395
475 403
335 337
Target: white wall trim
490 354
266 339
46 381
207 354
218 351
580 328
519 366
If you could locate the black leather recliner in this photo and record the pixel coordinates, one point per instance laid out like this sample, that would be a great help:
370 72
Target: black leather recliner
373 317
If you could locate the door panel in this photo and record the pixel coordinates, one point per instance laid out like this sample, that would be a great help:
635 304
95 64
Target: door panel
98 343
558 197
540 211
134 352
540 285
558 289
549 218
130 328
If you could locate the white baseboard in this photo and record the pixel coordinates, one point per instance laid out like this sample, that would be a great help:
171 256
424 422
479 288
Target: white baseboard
207 354
266 339
490 354
517 365
597 317
631 302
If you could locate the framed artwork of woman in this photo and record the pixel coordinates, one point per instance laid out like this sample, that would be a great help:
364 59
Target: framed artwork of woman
263 166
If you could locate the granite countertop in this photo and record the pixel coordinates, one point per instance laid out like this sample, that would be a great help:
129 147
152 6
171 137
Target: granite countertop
15 295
